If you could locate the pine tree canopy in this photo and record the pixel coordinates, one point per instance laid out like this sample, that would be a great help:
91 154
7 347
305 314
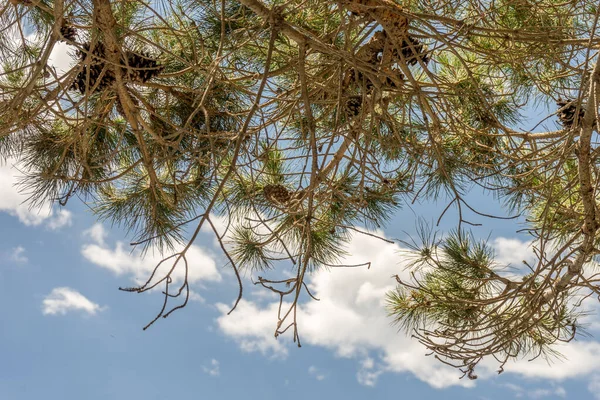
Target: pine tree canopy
302 122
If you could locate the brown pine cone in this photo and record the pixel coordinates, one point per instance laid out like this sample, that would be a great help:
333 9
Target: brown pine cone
142 67
353 106
67 32
277 194
567 113
414 53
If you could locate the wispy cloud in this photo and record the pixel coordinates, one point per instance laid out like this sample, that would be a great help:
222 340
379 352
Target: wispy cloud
367 375
18 256
594 386
61 219
97 233
316 373
63 300
535 393
213 369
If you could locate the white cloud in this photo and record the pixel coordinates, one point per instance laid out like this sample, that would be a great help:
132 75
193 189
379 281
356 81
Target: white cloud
367 375
60 58
18 255
63 299
580 359
61 219
350 319
11 200
196 297
122 260
213 370
252 328
97 234
368 378
15 203
512 251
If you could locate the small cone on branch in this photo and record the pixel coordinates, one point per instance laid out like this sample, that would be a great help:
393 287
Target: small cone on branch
277 194
566 113
353 106
142 67
67 31
412 50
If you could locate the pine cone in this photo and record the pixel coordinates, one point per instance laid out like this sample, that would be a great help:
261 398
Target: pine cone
412 56
95 70
566 115
277 194
137 67
67 32
353 106
142 67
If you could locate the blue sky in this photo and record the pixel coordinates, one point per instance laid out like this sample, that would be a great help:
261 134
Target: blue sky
68 333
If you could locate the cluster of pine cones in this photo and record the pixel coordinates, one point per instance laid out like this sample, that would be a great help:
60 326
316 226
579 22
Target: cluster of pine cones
136 67
377 52
566 113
